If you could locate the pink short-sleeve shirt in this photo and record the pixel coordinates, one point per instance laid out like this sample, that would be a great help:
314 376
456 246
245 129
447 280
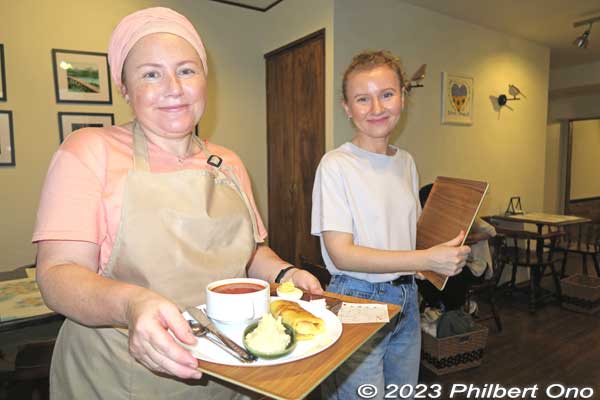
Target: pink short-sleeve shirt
83 192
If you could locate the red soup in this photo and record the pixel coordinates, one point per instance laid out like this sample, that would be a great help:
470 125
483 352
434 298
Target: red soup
238 288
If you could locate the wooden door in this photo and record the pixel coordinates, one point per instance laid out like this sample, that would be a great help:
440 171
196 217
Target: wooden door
296 142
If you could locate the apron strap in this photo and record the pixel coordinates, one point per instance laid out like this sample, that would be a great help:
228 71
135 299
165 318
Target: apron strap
216 163
140 149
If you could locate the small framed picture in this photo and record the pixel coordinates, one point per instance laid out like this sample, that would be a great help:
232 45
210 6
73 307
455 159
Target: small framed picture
2 74
7 140
457 99
71 121
81 77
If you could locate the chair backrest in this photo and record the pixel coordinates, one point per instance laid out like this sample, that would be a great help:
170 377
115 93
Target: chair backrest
33 360
499 255
424 193
584 234
319 271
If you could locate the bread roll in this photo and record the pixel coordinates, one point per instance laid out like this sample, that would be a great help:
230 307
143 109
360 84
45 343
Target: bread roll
306 325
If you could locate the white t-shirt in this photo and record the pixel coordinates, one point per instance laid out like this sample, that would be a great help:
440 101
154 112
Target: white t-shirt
375 197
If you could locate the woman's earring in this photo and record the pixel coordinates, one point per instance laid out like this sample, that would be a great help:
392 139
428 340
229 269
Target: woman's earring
127 99
349 117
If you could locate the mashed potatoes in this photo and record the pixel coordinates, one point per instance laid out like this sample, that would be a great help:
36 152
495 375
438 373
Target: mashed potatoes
269 337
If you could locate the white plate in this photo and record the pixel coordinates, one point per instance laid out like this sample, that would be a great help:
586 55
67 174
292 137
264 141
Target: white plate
208 351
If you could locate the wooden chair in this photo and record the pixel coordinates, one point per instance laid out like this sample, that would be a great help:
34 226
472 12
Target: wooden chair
318 270
520 253
32 370
583 239
488 288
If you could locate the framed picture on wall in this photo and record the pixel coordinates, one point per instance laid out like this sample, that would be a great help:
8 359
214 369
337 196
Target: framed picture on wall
2 74
71 121
7 140
81 77
457 99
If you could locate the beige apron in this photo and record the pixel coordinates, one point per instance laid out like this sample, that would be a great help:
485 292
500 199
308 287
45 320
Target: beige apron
178 231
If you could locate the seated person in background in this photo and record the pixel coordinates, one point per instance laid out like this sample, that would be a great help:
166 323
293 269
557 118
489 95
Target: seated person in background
479 265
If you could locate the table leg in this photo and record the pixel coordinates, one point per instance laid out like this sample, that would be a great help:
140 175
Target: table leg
537 271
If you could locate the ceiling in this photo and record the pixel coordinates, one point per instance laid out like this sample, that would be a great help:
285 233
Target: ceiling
547 22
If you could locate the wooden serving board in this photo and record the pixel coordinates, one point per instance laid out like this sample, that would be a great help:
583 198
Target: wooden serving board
452 206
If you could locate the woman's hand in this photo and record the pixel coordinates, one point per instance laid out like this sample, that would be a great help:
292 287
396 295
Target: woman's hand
306 281
448 258
150 316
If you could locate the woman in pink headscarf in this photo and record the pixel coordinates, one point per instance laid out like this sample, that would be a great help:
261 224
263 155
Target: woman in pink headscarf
135 220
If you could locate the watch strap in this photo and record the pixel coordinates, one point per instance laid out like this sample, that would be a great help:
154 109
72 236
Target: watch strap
281 273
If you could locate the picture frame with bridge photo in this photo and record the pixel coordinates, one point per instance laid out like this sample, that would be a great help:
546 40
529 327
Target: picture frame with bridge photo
81 77
68 122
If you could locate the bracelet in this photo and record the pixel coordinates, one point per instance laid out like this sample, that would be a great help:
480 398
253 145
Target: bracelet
281 273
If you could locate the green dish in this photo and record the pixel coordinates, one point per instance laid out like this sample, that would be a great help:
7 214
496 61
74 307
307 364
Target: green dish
269 356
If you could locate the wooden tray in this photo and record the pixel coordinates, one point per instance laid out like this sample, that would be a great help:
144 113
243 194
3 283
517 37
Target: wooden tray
451 207
297 379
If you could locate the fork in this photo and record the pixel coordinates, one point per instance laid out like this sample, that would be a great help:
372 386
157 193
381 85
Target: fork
201 331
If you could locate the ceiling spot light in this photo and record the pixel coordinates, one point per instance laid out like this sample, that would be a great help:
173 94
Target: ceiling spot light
582 41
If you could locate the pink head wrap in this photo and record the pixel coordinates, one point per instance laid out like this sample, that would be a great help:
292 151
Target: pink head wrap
145 22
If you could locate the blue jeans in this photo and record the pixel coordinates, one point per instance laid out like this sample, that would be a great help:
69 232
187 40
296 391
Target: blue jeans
392 355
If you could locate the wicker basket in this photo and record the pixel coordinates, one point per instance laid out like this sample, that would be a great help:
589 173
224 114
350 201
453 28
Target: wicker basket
581 293
453 353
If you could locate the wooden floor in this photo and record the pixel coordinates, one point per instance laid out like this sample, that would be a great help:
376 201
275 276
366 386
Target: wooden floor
552 346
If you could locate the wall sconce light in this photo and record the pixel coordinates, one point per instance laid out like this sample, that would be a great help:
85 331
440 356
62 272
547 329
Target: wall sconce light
583 40
514 92
417 77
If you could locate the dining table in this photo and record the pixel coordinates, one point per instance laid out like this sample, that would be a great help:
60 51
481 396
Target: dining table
541 221
24 318
21 303
296 379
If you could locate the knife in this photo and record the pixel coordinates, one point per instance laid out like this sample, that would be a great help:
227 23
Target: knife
203 320
201 332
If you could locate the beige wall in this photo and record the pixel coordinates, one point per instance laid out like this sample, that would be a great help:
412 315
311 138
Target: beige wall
555 168
29 30
575 76
505 148
584 171
574 94
293 19
574 107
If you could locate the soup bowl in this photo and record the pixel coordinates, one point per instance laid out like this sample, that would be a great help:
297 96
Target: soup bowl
237 300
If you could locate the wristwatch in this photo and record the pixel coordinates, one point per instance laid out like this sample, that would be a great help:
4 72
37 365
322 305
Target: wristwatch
281 273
